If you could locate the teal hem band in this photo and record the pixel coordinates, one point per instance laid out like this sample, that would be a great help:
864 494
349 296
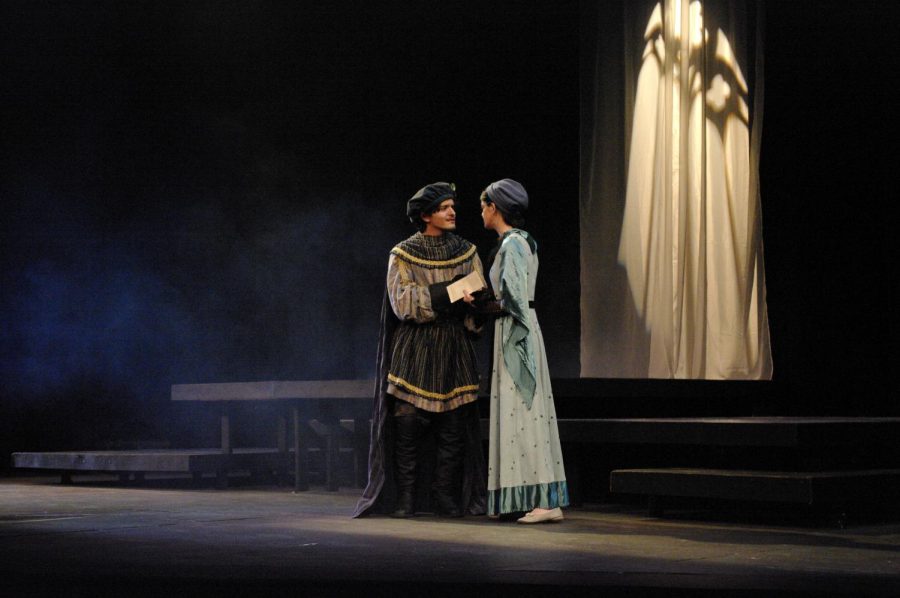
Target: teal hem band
519 499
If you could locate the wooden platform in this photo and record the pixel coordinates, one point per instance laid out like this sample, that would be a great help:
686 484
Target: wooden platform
139 462
199 461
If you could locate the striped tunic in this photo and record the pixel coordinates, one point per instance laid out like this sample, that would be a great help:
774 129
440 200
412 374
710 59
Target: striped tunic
432 362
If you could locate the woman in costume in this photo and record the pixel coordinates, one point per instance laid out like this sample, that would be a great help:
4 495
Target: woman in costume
525 467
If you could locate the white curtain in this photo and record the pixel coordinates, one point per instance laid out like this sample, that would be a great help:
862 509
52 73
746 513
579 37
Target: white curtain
676 287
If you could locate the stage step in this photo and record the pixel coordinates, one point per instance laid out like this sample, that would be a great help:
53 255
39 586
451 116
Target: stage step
776 432
734 431
808 488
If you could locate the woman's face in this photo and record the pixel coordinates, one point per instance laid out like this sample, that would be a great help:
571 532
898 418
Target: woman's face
488 214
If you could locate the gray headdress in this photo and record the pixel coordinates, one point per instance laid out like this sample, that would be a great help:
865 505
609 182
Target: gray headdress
509 195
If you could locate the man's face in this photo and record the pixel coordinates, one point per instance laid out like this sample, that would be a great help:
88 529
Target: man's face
442 219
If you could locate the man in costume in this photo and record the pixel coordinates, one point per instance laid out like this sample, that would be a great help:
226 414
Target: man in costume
427 377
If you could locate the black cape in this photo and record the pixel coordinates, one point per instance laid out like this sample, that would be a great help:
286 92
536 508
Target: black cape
380 494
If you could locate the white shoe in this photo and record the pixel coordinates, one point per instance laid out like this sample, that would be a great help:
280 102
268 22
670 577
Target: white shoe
547 516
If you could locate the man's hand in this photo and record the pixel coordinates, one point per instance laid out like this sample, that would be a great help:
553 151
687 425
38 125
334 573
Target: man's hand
470 299
486 304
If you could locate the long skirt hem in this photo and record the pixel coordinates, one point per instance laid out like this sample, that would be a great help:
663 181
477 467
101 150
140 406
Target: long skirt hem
518 499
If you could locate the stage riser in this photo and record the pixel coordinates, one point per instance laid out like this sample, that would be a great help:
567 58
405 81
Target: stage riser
745 432
592 449
787 487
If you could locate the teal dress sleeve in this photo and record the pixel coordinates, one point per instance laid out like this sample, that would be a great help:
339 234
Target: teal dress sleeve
518 349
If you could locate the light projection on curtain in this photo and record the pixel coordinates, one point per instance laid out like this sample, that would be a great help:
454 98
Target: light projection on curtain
690 241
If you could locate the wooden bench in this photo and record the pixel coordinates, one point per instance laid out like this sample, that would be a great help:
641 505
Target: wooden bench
327 402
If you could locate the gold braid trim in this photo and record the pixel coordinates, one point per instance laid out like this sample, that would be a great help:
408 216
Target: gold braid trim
428 404
417 260
431 395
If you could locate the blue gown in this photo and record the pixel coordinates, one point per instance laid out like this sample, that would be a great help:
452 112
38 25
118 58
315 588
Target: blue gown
525 464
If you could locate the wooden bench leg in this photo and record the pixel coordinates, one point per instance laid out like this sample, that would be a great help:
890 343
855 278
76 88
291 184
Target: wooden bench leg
225 423
300 480
331 449
332 446
284 461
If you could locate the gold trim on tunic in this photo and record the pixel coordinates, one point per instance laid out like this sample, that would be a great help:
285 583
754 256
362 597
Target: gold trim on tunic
431 406
417 260
431 395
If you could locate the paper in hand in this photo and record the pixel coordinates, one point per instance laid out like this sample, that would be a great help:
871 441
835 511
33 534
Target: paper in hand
471 283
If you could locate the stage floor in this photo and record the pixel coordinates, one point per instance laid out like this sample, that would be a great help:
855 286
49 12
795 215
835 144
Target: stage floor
98 536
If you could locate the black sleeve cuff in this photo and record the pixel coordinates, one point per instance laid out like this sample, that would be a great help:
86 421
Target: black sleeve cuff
440 300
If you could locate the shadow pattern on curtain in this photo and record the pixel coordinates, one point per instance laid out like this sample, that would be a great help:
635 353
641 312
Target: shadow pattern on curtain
672 276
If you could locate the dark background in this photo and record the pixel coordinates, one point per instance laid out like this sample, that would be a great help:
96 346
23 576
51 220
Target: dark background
207 191
828 153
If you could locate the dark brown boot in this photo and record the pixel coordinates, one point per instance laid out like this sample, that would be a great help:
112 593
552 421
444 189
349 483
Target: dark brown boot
406 438
447 479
